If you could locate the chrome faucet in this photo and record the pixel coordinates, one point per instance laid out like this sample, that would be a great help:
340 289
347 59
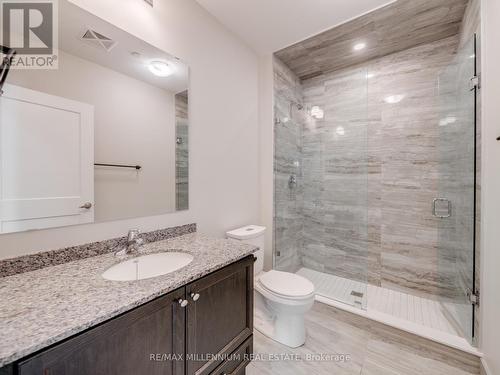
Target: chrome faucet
134 242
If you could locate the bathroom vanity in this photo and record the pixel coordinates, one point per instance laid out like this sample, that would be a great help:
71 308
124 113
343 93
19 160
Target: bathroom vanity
197 320
109 128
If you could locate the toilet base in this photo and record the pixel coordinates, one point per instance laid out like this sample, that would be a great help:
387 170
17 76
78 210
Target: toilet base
269 330
288 329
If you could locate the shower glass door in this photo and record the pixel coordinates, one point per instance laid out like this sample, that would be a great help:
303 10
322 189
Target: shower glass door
321 182
335 248
454 208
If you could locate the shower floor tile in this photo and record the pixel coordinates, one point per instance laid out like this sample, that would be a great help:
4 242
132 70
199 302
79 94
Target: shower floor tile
403 306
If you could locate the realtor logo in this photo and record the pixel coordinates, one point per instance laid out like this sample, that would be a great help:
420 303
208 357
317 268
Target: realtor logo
30 28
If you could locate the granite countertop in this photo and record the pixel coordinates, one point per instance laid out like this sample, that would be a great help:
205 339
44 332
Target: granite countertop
42 307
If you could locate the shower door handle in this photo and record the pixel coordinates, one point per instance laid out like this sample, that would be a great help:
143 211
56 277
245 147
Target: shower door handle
444 202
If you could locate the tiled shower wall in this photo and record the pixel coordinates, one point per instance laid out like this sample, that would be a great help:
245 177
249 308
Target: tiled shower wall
182 151
388 235
289 124
368 173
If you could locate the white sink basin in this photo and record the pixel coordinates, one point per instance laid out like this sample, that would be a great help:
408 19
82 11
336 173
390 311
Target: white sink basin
147 266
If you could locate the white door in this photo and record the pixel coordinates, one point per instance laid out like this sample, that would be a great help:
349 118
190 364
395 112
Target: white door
47 160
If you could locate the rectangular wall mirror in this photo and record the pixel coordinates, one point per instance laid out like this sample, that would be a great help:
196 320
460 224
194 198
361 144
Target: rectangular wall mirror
105 136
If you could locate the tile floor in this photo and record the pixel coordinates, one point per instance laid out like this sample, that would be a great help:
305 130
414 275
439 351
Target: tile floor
373 349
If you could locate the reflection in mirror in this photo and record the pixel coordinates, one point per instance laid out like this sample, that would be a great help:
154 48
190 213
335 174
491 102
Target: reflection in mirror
102 137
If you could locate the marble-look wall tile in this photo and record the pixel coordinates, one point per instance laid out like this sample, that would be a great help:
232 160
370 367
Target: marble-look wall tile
182 151
471 22
401 25
335 163
371 170
288 200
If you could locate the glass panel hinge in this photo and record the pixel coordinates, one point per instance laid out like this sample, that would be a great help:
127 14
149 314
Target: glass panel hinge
475 82
473 297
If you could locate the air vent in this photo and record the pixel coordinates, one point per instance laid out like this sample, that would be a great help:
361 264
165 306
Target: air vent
98 40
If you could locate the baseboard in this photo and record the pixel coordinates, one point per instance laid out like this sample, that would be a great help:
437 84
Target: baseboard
485 370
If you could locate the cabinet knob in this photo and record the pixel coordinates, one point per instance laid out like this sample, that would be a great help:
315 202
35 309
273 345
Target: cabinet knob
195 296
183 302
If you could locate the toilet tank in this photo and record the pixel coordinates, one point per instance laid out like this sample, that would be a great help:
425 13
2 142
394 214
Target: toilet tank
252 235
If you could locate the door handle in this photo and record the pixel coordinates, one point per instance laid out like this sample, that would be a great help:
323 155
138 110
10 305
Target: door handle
87 206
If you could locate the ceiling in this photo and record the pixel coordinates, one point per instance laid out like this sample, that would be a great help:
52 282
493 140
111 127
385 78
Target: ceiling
270 25
74 22
396 27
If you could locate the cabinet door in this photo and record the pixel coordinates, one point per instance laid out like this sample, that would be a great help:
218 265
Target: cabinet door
148 340
238 361
221 319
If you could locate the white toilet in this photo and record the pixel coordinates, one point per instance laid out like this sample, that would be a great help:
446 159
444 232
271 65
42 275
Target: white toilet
281 298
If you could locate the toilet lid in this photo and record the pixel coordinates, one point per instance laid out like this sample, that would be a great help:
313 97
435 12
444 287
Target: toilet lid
287 284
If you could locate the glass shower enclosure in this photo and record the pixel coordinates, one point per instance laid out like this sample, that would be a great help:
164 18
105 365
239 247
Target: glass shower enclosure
455 207
332 208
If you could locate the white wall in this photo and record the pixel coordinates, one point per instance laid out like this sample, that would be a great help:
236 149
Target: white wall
224 173
490 251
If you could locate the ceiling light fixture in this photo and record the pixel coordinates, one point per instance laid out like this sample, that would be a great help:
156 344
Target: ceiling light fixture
359 46
160 68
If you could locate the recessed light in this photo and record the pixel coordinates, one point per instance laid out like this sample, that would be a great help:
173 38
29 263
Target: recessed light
359 46
317 112
160 68
393 99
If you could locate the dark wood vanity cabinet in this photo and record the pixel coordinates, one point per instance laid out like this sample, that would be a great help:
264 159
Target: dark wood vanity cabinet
211 334
123 345
221 318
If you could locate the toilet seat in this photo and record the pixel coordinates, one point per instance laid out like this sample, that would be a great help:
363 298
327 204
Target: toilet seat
286 285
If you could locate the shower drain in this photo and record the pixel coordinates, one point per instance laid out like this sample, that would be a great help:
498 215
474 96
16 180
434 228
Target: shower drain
357 294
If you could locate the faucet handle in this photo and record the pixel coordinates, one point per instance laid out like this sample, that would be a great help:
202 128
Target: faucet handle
133 233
